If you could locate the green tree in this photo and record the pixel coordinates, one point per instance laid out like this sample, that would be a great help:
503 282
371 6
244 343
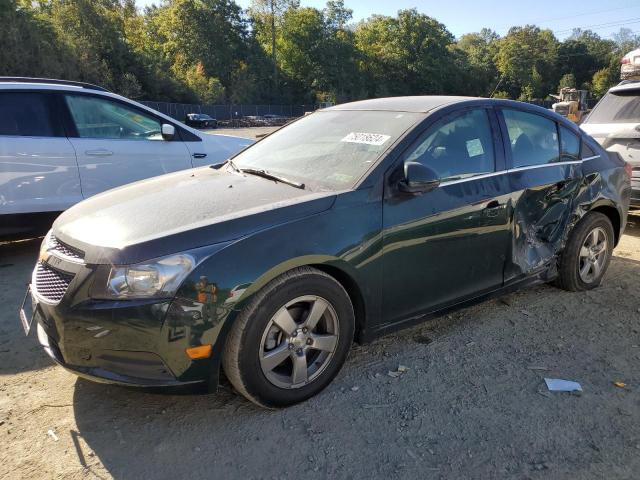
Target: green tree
582 54
410 54
30 44
568 80
604 79
480 50
522 55
265 16
207 32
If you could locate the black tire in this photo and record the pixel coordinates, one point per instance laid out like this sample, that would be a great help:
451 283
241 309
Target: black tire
244 345
569 266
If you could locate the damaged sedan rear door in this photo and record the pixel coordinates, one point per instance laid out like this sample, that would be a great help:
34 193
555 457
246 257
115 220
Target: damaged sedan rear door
545 172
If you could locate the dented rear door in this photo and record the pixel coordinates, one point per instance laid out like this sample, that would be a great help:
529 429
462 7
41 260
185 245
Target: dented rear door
545 172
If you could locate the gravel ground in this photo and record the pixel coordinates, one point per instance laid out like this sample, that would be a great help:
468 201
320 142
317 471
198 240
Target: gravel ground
472 403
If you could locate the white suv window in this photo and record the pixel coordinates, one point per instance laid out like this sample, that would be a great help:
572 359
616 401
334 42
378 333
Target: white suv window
24 114
96 117
617 107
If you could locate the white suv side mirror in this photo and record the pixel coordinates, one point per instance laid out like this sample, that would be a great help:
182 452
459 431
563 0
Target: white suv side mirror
168 131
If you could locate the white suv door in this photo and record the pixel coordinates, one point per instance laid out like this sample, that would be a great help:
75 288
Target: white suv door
117 143
38 169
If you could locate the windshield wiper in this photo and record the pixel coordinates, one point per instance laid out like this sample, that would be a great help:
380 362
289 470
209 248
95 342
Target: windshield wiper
234 166
271 176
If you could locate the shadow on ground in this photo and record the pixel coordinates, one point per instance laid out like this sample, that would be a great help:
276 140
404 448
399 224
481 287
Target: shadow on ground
17 353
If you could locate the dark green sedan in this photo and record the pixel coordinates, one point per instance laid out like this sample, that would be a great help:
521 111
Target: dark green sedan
344 225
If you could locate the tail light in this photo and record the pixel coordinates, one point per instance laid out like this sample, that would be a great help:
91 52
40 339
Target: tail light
625 61
628 169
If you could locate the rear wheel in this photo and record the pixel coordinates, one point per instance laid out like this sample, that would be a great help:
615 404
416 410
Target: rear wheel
587 254
291 340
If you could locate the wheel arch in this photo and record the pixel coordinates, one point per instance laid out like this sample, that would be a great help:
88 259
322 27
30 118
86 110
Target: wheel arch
332 266
353 290
612 213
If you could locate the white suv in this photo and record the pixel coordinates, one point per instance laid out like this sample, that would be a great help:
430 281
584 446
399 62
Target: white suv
61 142
615 124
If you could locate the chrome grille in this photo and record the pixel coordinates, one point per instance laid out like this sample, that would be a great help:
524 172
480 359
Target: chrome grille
64 249
51 284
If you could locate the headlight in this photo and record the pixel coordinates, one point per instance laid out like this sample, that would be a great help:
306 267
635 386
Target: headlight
159 278
44 246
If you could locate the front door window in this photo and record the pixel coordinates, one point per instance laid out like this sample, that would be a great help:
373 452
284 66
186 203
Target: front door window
102 118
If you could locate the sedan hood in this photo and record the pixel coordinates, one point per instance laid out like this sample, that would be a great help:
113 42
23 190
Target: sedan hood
181 211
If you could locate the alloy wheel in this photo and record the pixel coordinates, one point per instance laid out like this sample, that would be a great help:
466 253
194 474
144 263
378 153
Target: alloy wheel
299 342
593 255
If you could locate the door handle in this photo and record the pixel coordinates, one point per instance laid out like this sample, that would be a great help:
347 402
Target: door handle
199 155
492 209
101 152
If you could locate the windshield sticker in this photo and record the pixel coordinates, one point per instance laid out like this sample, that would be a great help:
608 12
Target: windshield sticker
366 138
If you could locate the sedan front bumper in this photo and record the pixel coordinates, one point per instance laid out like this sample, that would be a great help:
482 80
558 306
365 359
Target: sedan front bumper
138 369
103 345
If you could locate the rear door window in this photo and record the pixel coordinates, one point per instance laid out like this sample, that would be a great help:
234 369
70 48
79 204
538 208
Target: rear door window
26 114
533 139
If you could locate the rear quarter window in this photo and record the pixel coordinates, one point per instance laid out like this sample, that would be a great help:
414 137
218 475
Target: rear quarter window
569 145
587 151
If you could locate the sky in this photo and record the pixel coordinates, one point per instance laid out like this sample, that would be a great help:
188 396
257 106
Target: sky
604 17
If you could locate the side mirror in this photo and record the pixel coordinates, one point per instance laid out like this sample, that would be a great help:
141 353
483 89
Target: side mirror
418 179
168 131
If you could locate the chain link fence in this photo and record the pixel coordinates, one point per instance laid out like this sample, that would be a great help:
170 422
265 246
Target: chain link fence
228 113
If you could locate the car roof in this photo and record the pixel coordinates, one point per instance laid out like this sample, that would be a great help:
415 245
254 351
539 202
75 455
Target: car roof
22 82
626 86
418 104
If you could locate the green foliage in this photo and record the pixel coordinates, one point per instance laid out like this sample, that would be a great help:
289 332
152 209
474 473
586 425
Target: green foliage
568 80
479 50
277 51
410 54
501 94
522 54
603 80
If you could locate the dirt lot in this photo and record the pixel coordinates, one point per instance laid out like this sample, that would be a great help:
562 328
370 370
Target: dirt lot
251 133
472 405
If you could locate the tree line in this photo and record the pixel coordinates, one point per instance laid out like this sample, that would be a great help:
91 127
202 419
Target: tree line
276 51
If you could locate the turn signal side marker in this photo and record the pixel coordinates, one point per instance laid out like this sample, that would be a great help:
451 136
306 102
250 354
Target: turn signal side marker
202 351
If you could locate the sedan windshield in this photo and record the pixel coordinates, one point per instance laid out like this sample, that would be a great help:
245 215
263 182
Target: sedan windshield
332 149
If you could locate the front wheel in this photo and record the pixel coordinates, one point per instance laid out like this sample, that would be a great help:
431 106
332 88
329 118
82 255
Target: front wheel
587 254
291 340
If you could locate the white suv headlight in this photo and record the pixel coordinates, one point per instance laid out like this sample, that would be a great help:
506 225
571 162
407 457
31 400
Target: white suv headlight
159 278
